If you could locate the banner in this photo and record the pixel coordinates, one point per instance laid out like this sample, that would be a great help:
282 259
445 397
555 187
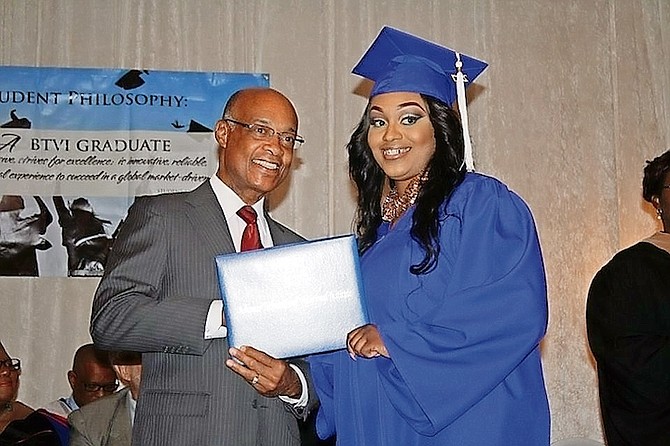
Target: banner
78 144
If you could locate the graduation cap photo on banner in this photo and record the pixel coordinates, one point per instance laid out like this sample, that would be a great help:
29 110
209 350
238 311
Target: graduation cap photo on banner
398 61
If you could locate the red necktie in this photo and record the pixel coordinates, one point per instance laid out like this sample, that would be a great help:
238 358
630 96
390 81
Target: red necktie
251 238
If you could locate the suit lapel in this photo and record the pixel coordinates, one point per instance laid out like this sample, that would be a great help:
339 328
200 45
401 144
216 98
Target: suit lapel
278 233
205 214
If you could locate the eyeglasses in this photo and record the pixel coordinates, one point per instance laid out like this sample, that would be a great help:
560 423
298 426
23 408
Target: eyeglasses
265 133
108 388
11 364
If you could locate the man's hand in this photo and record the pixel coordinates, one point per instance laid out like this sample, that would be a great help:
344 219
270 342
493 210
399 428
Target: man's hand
269 376
366 341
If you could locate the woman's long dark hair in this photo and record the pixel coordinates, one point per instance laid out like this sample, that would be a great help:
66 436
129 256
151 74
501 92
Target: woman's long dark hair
445 172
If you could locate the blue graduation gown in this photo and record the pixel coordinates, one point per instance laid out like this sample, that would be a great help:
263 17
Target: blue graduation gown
463 340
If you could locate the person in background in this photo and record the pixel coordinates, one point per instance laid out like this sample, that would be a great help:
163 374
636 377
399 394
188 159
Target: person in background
452 270
19 423
628 326
91 377
159 294
108 421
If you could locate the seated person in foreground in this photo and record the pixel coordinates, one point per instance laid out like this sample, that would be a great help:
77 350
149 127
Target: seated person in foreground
108 421
20 424
91 377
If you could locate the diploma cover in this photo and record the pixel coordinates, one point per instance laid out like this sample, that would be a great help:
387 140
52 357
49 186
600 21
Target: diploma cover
293 300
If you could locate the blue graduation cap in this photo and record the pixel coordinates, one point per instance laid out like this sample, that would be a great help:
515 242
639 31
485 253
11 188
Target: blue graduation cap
398 61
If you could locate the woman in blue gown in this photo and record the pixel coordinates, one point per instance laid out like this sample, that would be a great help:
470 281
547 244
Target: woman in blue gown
453 276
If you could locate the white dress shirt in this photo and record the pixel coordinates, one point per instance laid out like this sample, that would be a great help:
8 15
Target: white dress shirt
132 407
62 406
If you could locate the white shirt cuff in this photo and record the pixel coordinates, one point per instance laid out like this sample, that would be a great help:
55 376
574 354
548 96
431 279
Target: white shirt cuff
304 396
214 327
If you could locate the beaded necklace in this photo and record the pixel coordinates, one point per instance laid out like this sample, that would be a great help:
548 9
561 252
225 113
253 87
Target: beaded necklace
394 205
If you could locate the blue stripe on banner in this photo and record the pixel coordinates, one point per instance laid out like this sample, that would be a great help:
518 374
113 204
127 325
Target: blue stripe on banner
116 99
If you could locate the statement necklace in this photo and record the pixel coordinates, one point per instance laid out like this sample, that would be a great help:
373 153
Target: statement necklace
394 205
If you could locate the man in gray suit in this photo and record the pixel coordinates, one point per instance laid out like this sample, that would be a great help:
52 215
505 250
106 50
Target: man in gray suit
159 294
108 421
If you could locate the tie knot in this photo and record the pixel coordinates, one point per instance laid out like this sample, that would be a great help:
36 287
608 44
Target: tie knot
248 214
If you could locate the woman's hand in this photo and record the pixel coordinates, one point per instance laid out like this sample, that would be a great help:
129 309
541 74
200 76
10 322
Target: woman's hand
366 341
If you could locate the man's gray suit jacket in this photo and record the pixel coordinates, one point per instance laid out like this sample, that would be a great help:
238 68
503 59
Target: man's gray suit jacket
104 422
159 281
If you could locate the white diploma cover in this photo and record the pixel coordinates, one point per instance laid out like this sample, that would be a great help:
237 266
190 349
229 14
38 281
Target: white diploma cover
293 300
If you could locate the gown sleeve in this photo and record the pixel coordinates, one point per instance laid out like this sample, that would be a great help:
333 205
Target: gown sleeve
321 369
469 323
